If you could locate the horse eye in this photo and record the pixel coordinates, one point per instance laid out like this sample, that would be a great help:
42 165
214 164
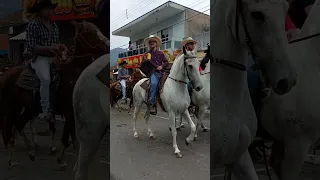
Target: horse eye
257 15
190 66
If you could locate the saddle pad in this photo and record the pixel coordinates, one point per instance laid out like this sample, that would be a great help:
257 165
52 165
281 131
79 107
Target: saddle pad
145 85
28 80
104 76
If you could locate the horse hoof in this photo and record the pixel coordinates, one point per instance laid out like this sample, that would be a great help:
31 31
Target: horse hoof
135 135
195 139
53 149
151 137
32 157
63 167
204 130
12 163
179 155
187 143
170 129
36 145
182 125
178 129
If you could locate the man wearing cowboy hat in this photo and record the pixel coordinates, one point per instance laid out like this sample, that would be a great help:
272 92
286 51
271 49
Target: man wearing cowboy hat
189 44
123 75
42 37
159 61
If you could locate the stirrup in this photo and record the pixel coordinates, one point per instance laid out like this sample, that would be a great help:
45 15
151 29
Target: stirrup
155 112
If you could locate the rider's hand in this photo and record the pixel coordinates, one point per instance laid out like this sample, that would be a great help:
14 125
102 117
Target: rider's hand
159 68
54 47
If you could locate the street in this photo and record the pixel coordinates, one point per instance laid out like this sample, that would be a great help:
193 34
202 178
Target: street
154 159
45 166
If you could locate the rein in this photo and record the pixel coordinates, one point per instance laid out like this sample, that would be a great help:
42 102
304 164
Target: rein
180 81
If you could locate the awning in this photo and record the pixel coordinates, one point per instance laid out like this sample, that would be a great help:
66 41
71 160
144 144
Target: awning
18 37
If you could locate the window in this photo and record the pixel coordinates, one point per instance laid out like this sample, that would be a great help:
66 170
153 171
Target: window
165 35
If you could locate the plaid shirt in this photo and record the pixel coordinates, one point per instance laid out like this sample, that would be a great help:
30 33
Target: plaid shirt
39 34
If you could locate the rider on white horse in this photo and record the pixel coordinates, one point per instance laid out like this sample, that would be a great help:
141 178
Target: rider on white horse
159 61
189 44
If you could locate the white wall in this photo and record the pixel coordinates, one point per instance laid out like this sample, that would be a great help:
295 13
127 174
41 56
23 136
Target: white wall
177 31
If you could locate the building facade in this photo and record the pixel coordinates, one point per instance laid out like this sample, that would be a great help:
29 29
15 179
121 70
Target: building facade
171 22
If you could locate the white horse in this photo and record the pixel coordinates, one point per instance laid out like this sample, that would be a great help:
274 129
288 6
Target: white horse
236 28
294 119
92 114
174 95
202 98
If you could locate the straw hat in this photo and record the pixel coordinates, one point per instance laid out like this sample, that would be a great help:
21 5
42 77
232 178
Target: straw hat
187 40
35 6
154 38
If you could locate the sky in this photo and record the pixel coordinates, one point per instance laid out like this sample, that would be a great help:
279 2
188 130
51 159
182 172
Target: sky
137 8
9 7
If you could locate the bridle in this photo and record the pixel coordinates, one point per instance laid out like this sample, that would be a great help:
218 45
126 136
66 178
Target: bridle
215 60
186 70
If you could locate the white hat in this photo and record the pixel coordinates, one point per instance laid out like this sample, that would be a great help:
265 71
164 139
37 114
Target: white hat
154 38
187 40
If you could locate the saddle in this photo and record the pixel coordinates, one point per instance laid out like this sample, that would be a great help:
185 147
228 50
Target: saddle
146 86
28 79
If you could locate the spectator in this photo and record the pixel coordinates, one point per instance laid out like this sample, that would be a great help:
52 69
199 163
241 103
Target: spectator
299 11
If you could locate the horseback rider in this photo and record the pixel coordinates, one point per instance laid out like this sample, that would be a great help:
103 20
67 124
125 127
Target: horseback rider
189 44
123 76
159 61
42 37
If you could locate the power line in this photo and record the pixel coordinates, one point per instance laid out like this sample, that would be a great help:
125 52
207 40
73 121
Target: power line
187 19
146 4
114 25
135 5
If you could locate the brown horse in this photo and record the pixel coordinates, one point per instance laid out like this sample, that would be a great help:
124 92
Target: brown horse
22 105
116 95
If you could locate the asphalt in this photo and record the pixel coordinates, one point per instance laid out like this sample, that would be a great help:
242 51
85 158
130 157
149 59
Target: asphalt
45 166
154 159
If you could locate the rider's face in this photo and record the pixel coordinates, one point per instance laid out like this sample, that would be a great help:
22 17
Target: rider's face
190 46
152 44
46 12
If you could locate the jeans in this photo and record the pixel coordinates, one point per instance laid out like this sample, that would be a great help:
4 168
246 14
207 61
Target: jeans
42 68
189 86
124 90
154 81
253 77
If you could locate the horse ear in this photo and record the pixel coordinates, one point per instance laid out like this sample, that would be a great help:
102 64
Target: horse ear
76 24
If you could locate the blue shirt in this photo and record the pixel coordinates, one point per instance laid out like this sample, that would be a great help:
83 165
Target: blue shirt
122 72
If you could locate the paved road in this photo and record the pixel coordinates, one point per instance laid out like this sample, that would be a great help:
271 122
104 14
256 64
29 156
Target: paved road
45 166
146 159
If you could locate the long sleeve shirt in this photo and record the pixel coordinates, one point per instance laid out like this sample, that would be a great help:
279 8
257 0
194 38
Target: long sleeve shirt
158 59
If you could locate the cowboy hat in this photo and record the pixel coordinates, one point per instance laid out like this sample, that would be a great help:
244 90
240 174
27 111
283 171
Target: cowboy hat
35 6
123 63
154 38
187 40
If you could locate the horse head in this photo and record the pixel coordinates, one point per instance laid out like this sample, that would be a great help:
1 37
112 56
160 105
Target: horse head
259 27
189 65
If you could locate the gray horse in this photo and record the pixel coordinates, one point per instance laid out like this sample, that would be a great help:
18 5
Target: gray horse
91 107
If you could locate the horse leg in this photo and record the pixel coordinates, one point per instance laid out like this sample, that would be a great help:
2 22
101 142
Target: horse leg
190 138
276 158
136 111
146 118
172 120
9 139
33 132
89 145
52 128
200 114
21 120
67 131
243 169
295 152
